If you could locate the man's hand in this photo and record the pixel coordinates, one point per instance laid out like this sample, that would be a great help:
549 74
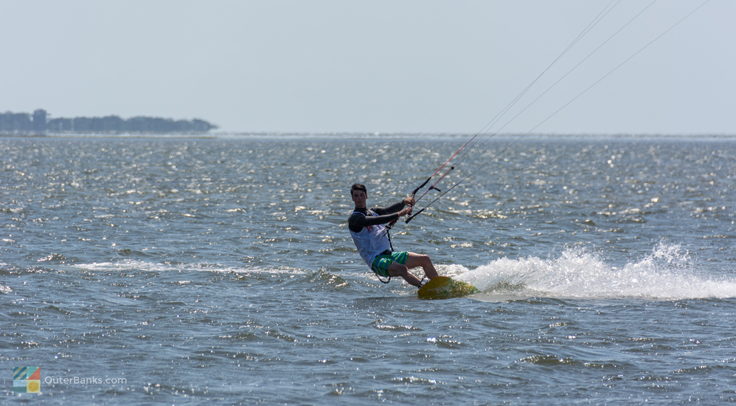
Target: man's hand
406 211
409 200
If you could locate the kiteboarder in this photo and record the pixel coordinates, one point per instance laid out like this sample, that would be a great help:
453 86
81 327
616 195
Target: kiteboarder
369 229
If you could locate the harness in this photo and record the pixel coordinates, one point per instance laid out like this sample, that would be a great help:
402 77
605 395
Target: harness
390 244
365 243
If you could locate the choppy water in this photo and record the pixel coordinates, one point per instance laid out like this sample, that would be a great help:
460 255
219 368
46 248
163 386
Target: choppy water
190 271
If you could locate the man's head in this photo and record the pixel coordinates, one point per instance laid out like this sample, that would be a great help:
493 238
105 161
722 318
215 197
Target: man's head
359 194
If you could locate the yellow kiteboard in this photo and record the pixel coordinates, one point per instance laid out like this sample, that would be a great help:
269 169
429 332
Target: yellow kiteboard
443 287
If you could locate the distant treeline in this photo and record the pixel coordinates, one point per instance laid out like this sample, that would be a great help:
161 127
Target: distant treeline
39 123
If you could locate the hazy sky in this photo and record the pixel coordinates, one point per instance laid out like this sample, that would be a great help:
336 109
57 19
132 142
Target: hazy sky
383 66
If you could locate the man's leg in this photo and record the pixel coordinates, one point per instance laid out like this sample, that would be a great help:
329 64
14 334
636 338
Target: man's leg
416 260
396 269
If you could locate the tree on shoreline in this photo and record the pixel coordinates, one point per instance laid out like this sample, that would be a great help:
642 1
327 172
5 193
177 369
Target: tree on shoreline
38 123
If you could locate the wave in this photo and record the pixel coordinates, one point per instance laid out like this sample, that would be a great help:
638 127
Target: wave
666 273
144 266
282 274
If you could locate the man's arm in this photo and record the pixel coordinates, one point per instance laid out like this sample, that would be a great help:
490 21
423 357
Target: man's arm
409 200
357 221
390 209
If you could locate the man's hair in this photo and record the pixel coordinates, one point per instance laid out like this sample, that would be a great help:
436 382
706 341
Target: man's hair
358 186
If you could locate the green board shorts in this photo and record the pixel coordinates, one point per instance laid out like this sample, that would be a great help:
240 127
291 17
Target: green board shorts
382 262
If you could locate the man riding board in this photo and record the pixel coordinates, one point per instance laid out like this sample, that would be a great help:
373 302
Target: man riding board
370 234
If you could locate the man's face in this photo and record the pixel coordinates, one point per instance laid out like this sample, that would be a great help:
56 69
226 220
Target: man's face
359 197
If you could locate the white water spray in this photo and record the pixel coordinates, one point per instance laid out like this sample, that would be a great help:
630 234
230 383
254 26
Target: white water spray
666 273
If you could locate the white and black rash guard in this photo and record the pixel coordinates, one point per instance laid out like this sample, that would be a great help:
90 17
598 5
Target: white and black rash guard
368 230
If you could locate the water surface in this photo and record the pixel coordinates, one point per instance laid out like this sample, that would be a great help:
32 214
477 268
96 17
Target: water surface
221 270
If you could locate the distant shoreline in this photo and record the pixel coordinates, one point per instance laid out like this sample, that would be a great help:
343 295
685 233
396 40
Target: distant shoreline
40 123
374 136
465 136
107 135
461 135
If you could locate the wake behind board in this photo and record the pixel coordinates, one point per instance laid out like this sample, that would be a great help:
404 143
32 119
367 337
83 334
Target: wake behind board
443 287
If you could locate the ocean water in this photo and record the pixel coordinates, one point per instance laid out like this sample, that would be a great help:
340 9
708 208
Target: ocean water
191 271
